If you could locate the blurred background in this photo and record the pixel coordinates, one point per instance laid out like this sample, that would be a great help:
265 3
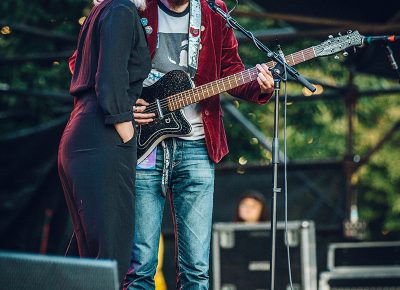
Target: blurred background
343 141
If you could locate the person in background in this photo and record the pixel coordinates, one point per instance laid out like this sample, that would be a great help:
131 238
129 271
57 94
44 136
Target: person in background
251 208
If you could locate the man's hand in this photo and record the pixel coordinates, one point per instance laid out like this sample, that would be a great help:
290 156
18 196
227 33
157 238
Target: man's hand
140 117
265 79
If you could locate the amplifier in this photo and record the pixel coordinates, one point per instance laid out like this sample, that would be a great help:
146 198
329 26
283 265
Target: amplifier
363 254
241 256
373 278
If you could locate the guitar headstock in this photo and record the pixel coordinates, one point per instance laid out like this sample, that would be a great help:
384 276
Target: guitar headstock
336 44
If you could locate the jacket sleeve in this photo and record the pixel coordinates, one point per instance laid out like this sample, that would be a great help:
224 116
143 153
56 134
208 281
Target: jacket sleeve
116 32
231 64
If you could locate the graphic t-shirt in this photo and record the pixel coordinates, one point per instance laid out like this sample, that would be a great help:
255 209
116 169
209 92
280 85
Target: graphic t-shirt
172 54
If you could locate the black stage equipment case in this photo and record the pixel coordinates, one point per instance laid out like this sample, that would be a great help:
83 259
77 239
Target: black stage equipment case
362 266
241 253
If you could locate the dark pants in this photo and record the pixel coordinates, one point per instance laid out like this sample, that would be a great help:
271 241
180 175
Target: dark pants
97 172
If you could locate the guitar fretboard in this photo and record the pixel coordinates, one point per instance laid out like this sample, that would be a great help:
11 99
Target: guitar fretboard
205 91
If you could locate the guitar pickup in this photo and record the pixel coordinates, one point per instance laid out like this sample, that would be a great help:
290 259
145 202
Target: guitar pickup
160 113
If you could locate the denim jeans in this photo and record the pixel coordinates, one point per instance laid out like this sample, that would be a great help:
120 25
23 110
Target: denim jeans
190 181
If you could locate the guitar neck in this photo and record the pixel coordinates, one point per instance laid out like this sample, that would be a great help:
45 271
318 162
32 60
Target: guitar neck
197 94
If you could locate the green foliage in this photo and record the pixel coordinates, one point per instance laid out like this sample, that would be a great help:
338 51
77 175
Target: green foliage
315 129
318 130
45 75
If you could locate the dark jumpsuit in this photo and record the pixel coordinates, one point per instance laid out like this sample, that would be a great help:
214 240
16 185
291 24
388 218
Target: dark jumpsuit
96 168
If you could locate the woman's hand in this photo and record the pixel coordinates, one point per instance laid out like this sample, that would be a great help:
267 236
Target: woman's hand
140 117
125 130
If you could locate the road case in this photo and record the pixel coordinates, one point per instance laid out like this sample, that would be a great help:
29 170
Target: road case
241 256
370 278
363 254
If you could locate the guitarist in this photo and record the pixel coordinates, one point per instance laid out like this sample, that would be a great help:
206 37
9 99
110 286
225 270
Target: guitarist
189 37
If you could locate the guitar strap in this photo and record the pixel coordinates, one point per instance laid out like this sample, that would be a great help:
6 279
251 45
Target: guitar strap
165 172
194 36
169 148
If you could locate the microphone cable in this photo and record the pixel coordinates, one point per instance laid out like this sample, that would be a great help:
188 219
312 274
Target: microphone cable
284 79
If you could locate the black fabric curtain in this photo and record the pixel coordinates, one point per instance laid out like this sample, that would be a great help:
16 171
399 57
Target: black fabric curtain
33 214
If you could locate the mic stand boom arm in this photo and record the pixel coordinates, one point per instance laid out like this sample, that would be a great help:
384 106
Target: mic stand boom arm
272 55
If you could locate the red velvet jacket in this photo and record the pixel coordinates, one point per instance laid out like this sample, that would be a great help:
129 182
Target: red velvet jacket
218 58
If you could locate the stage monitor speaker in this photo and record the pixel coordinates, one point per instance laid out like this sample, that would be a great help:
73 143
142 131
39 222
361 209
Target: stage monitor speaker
33 272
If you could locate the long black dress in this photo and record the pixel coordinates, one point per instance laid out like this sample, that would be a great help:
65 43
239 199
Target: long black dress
96 168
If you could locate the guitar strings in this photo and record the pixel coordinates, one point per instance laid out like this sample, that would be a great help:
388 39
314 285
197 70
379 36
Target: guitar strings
182 97
245 76
215 88
175 99
186 96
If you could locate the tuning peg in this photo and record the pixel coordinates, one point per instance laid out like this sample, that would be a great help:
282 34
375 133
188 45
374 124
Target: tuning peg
345 53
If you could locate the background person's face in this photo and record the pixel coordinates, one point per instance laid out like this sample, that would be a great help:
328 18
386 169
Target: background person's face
250 210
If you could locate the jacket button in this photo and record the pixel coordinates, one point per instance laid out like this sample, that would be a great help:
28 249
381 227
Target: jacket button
148 29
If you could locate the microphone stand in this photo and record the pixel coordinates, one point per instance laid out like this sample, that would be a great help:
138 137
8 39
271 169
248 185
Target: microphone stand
281 66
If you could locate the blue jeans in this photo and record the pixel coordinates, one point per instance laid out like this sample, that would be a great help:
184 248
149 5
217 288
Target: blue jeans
190 181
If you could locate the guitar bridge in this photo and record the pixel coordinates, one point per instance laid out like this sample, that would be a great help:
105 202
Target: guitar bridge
160 113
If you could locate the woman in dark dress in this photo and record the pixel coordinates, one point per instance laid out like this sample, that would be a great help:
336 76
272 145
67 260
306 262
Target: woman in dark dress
97 153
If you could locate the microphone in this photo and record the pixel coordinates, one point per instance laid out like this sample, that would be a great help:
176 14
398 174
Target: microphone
392 61
281 54
384 39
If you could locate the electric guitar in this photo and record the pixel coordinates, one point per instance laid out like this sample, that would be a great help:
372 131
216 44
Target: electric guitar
175 91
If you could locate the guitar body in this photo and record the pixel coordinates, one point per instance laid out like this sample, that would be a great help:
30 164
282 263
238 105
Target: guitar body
168 124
